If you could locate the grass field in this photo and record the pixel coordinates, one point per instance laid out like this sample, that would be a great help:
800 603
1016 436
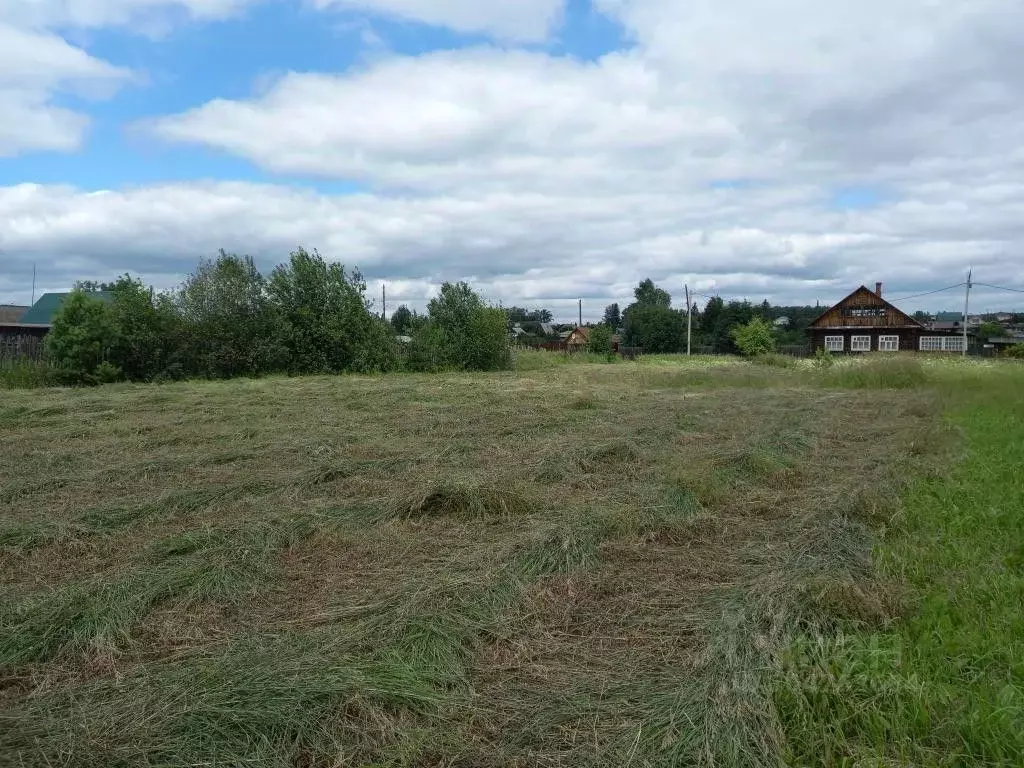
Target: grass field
660 563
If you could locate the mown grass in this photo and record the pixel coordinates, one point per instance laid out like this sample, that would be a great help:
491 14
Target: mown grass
660 563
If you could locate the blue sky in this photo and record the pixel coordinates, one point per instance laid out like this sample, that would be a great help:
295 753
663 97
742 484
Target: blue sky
196 62
545 150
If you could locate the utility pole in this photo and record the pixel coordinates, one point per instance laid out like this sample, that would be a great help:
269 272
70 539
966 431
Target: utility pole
384 301
33 283
967 299
581 314
689 318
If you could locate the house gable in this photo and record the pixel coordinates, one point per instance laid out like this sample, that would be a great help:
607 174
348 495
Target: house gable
864 309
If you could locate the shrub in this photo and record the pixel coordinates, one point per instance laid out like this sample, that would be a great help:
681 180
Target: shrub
1016 351
324 320
147 331
600 341
230 327
82 332
655 327
754 338
469 335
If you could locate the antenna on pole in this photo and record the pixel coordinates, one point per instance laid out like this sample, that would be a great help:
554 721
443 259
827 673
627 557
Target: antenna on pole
689 318
967 299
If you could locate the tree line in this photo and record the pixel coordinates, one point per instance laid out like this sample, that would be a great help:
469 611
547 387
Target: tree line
227 319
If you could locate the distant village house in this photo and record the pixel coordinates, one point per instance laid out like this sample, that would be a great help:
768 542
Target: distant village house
865 322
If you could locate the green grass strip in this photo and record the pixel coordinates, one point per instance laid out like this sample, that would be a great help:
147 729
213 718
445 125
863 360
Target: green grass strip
945 685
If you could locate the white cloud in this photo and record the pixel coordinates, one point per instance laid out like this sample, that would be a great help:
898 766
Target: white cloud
709 152
106 13
526 20
33 66
518 248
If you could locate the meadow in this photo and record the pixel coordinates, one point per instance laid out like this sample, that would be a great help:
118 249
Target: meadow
667 562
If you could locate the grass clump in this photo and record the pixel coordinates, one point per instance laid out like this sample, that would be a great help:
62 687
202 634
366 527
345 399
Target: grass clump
192 566
460 501
291 699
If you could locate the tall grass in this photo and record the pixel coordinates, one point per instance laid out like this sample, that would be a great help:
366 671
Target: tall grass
944 686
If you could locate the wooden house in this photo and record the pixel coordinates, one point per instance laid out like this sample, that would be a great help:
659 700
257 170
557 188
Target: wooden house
577 339
865 322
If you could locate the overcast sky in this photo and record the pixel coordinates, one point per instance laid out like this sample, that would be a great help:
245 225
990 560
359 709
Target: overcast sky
544 150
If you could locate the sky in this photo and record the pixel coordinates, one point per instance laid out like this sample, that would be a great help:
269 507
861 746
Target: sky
543 150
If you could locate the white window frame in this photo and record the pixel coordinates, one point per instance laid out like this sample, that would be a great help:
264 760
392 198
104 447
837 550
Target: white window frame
888 343
930 343
860 343
953 344
835 343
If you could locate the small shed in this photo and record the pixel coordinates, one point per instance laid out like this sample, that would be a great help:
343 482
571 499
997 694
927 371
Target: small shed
577 338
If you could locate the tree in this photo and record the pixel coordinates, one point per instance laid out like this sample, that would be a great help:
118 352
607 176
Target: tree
612 316
474 335
324 318
402 320
655 327
600 340
147 331
91 286
754 338
80 336
229 325
648 293
521 315
990 329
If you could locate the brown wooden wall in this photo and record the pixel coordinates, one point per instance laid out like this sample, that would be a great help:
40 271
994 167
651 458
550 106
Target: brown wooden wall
910 338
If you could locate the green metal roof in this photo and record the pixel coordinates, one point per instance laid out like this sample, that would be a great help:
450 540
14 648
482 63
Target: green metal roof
49 304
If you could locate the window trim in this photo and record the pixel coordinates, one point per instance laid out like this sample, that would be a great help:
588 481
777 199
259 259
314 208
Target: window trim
831 340
860 338
935 344
885 341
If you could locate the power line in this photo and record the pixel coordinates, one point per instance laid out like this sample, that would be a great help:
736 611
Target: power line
1000 287
929 293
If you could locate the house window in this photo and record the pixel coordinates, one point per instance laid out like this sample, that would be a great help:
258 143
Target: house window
860 343
888 343
834 343
953 344
931 343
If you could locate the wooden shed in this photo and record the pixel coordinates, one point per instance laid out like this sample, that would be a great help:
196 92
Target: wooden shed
865 322
577 339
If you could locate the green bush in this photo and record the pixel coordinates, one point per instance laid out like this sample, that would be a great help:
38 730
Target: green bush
82 333
1016 351
323 319
230 328
600 341
757 337
470 335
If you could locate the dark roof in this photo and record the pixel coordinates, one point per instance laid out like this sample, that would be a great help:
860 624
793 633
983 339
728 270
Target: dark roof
948 317
11 313
49 304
